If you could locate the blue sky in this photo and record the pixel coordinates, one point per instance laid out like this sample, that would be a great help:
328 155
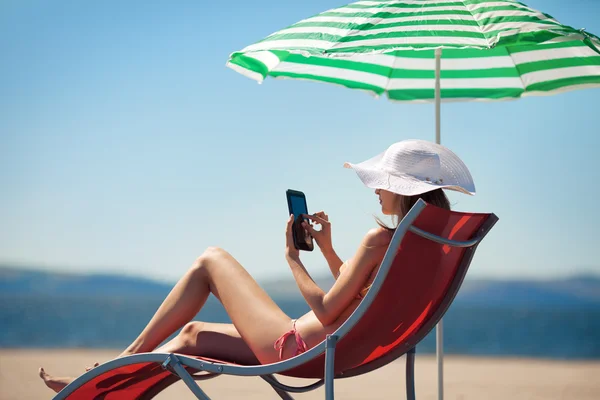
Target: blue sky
127 146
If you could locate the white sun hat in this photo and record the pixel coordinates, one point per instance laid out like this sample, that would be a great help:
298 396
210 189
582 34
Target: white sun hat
412 167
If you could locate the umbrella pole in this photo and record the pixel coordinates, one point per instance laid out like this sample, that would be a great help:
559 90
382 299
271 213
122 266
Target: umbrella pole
439 331
438 97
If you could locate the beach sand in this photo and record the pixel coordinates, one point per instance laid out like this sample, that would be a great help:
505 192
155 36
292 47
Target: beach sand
466 378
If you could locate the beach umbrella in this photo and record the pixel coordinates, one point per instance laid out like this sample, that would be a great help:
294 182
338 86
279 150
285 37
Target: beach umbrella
430 51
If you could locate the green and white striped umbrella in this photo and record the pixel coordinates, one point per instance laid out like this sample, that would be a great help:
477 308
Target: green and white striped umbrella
493 50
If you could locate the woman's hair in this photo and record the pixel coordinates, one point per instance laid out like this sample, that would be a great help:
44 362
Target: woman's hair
436 197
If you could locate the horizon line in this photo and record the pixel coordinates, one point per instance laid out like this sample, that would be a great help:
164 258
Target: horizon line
33 267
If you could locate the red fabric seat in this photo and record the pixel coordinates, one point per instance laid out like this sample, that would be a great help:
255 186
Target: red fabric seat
134 381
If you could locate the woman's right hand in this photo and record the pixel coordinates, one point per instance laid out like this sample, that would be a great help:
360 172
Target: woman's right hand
323 235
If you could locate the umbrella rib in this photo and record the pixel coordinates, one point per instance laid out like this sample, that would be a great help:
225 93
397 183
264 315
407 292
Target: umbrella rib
389 78
478 24
516 67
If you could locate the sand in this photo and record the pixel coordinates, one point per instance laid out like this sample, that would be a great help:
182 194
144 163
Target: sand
466 378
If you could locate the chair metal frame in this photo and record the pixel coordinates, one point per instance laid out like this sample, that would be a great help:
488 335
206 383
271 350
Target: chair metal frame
176 363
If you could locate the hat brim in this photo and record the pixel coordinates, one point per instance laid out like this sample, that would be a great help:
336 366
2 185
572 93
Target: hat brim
455 176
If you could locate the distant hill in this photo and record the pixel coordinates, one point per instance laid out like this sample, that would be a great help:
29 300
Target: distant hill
17 281
572 292
568 292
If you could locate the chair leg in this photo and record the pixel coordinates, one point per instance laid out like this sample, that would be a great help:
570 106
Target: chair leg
283 394
286 389
410 374
173 362
329 365
277 387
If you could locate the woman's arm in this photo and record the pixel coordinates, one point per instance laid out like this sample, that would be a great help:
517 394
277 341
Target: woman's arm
311 292
329 306
333 260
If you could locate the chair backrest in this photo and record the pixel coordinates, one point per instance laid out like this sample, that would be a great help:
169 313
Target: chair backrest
423 279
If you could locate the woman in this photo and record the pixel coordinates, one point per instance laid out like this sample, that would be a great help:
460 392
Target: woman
260 332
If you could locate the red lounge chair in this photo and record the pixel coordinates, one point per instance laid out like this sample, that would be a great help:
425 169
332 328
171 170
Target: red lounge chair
419 277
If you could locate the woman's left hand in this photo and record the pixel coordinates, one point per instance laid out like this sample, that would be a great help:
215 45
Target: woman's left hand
290 250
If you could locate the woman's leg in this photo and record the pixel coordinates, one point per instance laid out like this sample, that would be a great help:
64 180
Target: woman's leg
179 307
257 320
220 341
254 314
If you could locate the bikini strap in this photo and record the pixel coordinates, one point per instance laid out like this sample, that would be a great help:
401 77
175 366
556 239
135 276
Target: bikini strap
300 344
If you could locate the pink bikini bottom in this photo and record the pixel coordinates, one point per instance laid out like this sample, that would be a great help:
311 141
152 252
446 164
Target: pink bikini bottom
300 344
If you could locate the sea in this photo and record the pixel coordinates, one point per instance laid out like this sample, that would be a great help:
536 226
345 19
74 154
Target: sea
31 321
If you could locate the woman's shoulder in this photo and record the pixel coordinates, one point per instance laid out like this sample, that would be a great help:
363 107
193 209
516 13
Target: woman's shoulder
378 237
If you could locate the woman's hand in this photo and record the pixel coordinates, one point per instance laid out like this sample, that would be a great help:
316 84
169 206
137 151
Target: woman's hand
290 250
322 236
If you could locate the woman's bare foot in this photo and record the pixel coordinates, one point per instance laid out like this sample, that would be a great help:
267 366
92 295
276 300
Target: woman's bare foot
123 354
127 352
93 366
56 384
